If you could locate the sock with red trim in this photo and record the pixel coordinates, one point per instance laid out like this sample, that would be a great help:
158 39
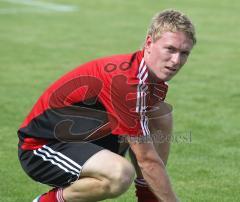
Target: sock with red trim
143 192
54 195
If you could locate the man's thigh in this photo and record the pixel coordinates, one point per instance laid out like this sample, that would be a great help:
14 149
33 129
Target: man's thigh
57 164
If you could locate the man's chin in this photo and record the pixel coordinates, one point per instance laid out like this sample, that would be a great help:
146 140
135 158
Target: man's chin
161 76
164 77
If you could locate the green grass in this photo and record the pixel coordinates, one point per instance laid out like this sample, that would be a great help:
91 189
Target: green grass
38 46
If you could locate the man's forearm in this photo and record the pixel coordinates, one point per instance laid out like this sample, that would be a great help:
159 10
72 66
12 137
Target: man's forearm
153 170
156 176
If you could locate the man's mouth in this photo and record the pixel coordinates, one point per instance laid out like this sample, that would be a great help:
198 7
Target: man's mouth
171 68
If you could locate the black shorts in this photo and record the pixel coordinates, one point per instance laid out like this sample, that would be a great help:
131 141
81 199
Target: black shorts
59 164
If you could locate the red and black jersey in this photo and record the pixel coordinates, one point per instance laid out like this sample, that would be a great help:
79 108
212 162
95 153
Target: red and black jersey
117 85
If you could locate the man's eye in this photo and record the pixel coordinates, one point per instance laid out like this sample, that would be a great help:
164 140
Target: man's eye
186 53
170 49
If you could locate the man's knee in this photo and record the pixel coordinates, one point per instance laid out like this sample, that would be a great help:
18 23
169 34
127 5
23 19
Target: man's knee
120 178
115 172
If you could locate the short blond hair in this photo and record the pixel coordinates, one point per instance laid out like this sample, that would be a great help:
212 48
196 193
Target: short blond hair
173 21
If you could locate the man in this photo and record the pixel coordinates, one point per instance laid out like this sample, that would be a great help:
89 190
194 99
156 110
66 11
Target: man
79 129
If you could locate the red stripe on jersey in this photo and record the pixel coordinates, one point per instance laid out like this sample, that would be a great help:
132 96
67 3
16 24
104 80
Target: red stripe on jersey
33 143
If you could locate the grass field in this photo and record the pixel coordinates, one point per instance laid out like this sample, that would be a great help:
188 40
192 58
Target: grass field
40 41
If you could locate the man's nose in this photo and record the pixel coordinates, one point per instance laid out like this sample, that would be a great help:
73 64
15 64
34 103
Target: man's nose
176 59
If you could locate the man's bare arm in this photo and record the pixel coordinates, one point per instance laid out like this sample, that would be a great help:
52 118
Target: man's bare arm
153 170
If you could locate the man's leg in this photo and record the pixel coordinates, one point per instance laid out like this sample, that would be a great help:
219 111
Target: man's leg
79 171
104 175
160 124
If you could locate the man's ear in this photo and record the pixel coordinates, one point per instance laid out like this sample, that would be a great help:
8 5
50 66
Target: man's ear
148 43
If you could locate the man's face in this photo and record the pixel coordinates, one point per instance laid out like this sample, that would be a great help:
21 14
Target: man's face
167 55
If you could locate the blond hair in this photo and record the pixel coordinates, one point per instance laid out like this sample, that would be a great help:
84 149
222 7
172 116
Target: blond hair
171 21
